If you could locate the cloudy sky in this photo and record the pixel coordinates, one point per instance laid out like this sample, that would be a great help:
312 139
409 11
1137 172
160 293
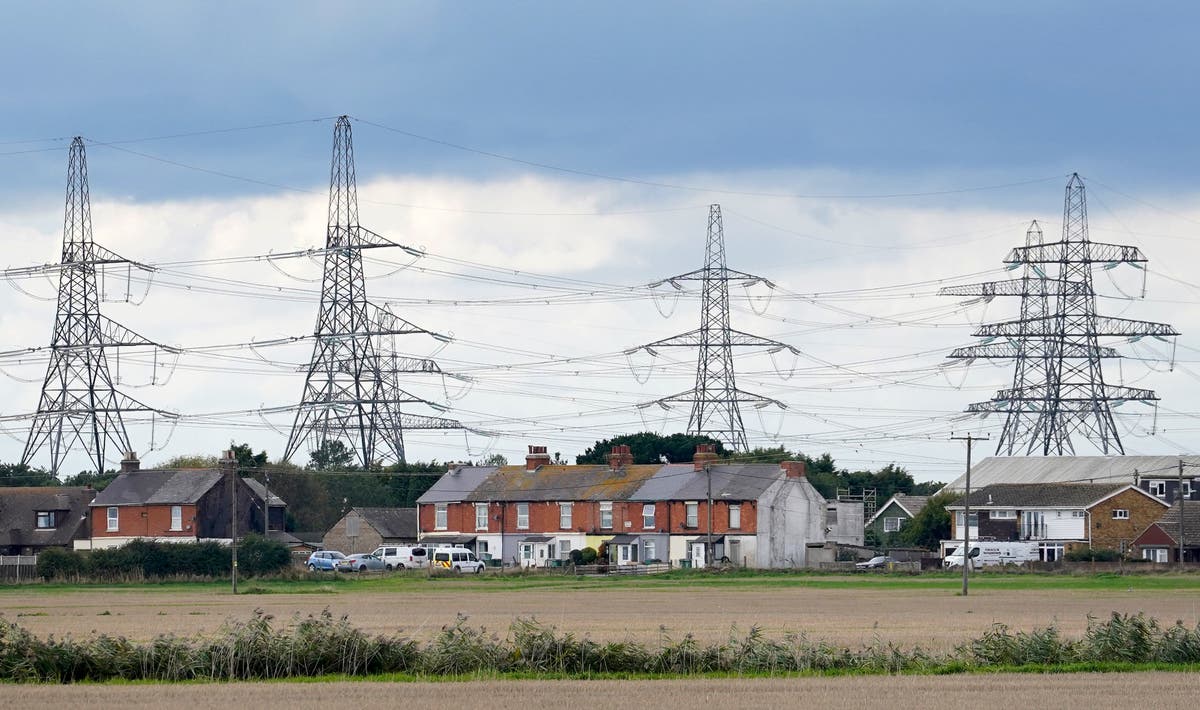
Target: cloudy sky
551 157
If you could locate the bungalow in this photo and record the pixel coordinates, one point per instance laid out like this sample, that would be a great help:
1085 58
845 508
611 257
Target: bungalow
364 529
33 519
895 513
1058 516
1160 541
171 506
761 515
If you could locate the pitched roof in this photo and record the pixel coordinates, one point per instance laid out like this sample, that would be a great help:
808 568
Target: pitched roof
158 487
1169 523
391 522
683 482
456 484
260 490
18 514
909 504
1068 469
1042 495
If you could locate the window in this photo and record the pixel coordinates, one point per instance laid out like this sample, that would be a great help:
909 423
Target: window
45 519
1158 488
564 516
735 551
1003 515
648 550
891 525
692 514
112 519
1033 525
735 516
481 546
523 516
564 549
1121 514
1078 513
958 519
831 515
648 515
481 516
440 516
177 517
606 515
1187 489
1155 554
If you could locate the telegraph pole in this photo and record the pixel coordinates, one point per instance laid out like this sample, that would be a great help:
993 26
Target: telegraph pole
1180 512
970 439
230 465
708 547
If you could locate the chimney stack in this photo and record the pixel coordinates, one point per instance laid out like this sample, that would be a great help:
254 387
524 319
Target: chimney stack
705 454
793 469
130 462
227 462
537 456
620 457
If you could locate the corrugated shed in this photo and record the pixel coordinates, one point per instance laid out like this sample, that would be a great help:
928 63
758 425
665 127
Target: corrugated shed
1068 469
158 488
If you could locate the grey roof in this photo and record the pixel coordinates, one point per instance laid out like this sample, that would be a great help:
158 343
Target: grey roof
18 514
391 522
456 539
1068 469
260 490
158 487
732 482
1044 495
1169 523
909 504
622 539
456 484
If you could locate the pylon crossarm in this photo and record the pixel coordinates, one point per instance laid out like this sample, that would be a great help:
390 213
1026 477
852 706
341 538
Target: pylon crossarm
1025 286
405 364
1101 326
725 274
116 335
691 397
1092 253
384 322
1028 347
696 338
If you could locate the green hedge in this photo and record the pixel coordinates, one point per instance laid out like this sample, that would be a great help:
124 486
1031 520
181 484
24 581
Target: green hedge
144 558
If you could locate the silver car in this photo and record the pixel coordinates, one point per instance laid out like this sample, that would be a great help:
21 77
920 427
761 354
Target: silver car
362 562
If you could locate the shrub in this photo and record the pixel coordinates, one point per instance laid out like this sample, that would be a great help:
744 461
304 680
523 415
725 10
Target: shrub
1092 555
57 563
257 555
587 556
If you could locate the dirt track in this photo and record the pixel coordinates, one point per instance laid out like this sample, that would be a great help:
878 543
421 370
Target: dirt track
934 619
1115 690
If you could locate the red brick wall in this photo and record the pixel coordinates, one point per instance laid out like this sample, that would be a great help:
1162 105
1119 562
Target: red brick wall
1110 533
585 516
143 520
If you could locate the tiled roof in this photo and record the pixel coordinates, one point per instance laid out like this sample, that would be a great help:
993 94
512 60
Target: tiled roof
158 487
1169 523
910 504
1039 495
391 522
259 490
19 507
733 482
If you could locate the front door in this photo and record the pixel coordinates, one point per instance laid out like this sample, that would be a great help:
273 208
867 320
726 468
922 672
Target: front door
527 554
697 555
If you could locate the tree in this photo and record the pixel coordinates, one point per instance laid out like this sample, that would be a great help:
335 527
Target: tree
496 460
332 455
648 447
246 457
19 474
90 478
931 524
189 461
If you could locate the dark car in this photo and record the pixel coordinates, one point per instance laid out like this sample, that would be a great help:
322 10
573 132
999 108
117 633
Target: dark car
876 562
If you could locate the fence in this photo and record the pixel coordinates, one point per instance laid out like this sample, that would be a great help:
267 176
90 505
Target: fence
18 568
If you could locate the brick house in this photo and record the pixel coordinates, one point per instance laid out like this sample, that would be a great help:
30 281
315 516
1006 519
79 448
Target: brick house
762 515
171 506
1058 516
364 529
33 519
1160 541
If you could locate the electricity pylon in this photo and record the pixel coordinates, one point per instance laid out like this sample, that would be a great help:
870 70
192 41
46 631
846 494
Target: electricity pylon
716 400
79 404
1058 382
351 394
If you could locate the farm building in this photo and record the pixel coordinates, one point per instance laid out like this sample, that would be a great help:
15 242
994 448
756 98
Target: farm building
364 529
762 515
1058 516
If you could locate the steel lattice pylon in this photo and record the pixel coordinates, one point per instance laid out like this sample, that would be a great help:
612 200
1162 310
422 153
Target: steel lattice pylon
79 403
1058 382
351 391
715 400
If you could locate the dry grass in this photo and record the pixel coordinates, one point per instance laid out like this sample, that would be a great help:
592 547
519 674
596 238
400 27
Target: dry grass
934 619
1113 690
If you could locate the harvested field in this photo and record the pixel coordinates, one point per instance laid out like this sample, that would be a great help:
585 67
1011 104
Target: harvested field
915 614
1111 690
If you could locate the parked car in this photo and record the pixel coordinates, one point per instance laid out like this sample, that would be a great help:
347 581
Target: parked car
459 559
361 562
323 560
402 557
876 562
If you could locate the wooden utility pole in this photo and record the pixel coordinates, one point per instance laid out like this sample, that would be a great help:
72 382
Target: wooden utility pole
1180 512
966 548
708 547
230 465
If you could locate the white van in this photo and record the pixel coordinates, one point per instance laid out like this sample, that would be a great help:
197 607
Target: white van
402 557
459 559
985 554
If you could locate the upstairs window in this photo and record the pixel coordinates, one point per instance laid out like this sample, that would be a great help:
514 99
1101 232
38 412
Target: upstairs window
1121 514
1158 488
564 516
735 516
46 519
441 516
891 525
648 515
523 516
113 518
177 517
606 515
692 511
481 516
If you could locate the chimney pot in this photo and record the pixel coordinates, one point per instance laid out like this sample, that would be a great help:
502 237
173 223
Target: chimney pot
620 457
536 457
